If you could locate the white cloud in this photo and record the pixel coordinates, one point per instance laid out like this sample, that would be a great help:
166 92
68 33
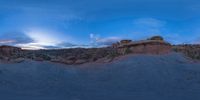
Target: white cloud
147 27
7 41
149 22
46 37
42 39
32 46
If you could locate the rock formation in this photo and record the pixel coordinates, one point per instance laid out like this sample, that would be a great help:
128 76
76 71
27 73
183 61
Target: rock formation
154 45
192 51
125 41
156 38
8 52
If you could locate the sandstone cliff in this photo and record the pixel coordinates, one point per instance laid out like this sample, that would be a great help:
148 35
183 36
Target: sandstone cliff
153 45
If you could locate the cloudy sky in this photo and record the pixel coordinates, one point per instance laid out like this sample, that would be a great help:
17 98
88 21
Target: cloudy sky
38 24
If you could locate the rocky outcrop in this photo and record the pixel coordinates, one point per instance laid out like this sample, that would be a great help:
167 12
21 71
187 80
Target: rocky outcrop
145 47
8 53
9 50
154 45
192 51
156 38
125 41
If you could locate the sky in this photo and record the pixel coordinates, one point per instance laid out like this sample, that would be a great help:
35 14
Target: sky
45 24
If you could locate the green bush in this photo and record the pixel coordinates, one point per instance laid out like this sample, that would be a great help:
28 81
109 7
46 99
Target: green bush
127 51
113 54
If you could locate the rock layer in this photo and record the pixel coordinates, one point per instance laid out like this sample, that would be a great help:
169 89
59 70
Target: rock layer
145 47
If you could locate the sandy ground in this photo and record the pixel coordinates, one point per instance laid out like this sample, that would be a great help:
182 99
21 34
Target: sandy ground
139 77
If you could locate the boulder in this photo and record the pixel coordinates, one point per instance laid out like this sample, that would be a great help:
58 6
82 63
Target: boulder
125 41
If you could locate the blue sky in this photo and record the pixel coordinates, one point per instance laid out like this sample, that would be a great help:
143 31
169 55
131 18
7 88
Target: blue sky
41 24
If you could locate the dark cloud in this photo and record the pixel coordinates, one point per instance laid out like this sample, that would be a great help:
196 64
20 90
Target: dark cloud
107 41
59 46
67 45
14 38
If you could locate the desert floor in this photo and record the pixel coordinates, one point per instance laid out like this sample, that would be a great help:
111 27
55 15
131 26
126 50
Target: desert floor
139 77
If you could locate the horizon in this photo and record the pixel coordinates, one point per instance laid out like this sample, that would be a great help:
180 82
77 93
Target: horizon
50 24
89 47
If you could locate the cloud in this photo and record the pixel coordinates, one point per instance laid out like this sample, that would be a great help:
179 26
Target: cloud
149 22
36 39
32 46
108 40
44 39
7 41
13 38
98 41
37 46
147 27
